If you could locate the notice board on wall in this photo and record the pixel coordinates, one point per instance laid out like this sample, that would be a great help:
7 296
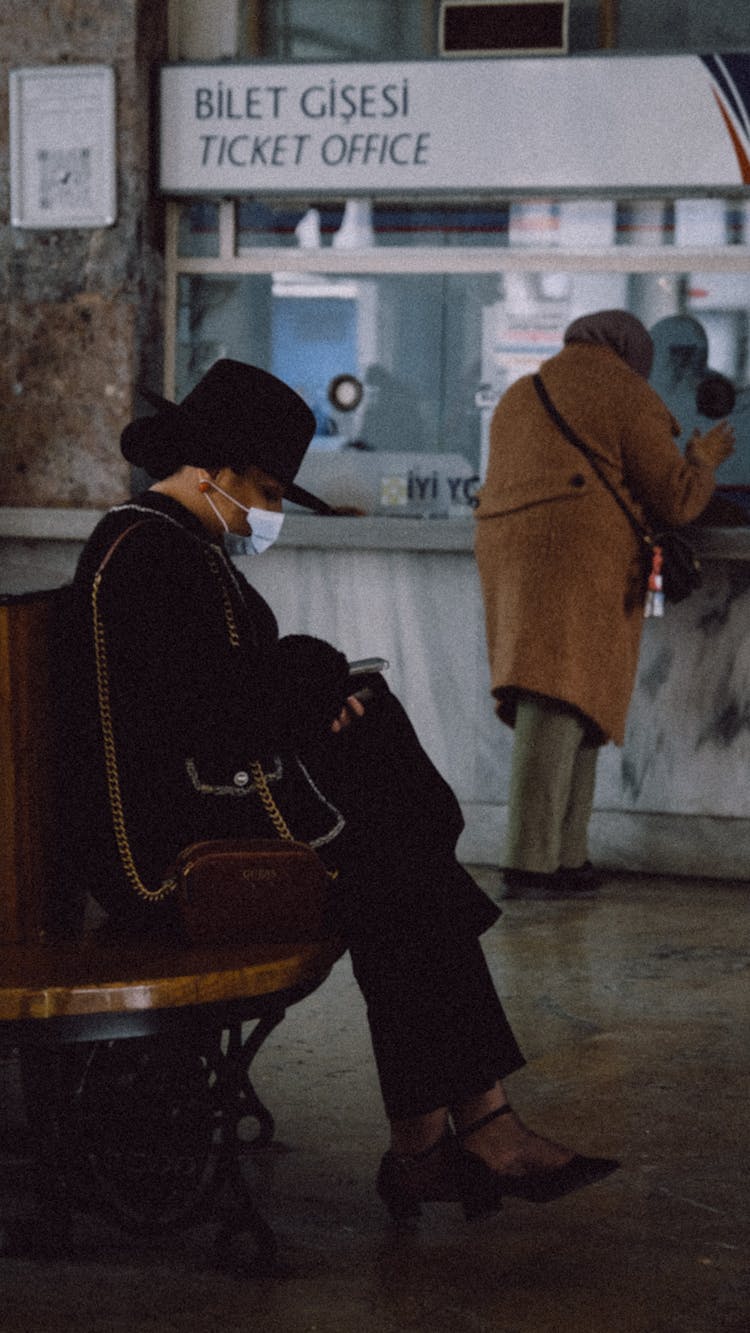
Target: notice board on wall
62 140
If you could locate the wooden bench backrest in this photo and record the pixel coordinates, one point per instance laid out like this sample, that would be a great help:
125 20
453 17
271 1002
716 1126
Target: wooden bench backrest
29 766
40 897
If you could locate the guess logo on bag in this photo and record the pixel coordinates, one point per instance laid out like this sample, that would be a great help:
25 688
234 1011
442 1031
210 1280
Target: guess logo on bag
260 872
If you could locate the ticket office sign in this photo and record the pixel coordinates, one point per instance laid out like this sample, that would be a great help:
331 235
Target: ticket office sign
574 123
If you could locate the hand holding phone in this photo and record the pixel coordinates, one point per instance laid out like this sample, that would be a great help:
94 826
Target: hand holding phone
354 707
366 666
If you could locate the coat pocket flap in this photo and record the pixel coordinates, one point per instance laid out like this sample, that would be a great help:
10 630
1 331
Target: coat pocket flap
541 488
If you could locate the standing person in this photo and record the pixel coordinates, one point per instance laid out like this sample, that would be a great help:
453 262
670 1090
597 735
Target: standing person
200 686
562 577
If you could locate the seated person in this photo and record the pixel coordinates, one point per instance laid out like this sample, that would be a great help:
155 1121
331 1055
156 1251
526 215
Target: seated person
179 683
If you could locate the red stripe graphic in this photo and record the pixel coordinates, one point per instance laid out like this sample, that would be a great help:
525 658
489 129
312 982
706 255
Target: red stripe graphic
743 160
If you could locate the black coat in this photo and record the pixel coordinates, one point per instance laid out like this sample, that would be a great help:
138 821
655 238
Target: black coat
200 686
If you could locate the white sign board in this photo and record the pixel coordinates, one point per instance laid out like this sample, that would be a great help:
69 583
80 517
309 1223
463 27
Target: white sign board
527 124
62 139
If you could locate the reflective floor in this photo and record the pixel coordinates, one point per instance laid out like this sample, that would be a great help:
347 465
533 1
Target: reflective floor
632 1008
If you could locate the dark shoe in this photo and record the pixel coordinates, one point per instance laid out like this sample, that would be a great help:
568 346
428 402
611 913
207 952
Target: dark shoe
407 1180
539 886
544 1186
483 1188
579 879
530 884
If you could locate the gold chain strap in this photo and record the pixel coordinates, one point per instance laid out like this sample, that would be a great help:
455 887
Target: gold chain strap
110 762
233 632
260 782
259 778
272 810
114 789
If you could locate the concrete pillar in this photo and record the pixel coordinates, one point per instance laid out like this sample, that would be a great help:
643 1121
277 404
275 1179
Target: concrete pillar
80 309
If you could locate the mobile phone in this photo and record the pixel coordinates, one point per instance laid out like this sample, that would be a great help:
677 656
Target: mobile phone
365 665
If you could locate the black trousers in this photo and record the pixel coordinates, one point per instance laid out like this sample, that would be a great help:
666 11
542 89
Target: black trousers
438 1029
412 917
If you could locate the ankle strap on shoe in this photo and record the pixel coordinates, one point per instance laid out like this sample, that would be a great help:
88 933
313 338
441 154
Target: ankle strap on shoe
464 1133
423 1153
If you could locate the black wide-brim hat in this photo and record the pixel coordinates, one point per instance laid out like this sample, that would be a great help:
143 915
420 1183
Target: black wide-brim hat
237 416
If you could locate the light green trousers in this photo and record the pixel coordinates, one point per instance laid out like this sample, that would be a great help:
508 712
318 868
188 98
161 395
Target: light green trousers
553 770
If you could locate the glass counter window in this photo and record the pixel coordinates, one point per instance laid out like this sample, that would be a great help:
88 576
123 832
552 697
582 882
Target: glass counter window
433 308
434 352
412 341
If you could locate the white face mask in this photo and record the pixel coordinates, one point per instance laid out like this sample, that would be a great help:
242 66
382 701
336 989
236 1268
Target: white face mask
264 524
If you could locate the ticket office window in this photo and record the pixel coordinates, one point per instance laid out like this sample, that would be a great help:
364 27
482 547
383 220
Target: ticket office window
402 323
412 343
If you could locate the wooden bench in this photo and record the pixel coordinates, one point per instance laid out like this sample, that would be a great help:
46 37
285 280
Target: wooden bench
135 1060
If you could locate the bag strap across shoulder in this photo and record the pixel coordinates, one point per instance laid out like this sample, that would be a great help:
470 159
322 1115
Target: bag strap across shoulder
114 790
575 439
169 883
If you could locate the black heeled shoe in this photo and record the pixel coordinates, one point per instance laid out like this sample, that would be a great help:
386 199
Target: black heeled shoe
407 1180
483 1188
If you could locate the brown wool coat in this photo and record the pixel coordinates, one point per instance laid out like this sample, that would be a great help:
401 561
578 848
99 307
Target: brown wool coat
559 564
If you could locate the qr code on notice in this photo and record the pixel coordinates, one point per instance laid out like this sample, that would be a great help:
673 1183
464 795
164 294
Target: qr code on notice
65 179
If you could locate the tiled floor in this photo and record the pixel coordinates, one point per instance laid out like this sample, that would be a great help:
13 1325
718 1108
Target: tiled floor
632 1008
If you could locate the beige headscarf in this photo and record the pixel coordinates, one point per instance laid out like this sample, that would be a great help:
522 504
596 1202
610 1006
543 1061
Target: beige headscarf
618 330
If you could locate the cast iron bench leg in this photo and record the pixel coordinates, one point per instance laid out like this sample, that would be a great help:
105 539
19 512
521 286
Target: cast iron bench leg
45 1231
147 1130
240 1100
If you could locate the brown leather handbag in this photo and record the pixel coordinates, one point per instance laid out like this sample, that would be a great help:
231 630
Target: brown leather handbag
264 891
253 890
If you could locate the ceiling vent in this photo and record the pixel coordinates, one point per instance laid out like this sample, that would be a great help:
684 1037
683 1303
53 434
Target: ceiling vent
503 27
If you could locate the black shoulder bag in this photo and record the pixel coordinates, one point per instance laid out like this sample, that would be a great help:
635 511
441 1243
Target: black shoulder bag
680 567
